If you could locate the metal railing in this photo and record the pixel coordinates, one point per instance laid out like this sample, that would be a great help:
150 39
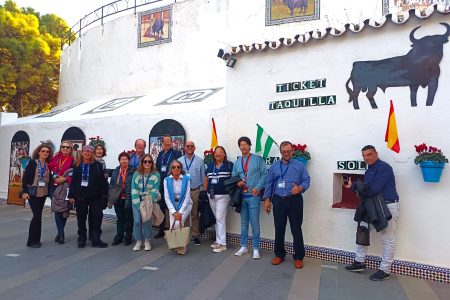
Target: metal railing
103 12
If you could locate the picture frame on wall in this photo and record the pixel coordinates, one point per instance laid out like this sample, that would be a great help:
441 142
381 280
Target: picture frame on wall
288 11
155 27
402 7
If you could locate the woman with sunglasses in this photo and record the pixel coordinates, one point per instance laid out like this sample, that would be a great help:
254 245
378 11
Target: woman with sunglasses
35 182
60 166
216 173
177 194
122 176
86 190
144 186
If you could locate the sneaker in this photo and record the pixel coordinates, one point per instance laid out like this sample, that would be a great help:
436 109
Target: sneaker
214 245
256 254
137 246
241 251
379 276
99 244
356 266
220 248
197 241
147 246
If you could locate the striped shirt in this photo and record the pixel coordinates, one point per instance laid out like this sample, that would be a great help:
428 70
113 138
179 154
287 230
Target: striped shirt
220 174
151 188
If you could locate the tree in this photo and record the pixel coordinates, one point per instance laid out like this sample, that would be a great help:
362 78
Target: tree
30 49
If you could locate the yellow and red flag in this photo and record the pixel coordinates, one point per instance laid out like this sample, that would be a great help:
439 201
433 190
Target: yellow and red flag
214 142
391 131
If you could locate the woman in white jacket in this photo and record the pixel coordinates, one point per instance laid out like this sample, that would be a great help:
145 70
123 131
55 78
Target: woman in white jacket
177 195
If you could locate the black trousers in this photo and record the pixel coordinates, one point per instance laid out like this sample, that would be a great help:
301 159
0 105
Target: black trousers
163 206
34 231
93 207
124 222
292 208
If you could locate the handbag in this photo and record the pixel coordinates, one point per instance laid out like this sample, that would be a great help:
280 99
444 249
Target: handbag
178 237
146 209
157 215
362 235
114 194
32 190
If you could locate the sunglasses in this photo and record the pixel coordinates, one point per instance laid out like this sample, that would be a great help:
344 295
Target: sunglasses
45 151
147 162
176 167
66 147
190 146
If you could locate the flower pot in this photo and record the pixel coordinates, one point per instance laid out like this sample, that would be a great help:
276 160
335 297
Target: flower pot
431 171
302 160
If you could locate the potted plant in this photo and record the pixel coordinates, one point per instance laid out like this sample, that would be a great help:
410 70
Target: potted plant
431 160
208 156
301 154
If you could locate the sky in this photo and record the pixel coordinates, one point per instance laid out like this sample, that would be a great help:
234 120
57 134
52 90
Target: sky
69 10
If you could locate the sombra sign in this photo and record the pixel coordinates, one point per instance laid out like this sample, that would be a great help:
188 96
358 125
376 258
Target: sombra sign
112 105
189 96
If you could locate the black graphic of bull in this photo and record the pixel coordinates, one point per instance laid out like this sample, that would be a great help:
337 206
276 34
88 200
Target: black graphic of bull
157 28
419 67
292 4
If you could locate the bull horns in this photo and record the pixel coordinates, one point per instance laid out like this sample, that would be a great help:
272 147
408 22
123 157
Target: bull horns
446 34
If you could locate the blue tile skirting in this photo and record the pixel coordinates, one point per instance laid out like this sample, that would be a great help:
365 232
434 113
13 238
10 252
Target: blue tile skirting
340 256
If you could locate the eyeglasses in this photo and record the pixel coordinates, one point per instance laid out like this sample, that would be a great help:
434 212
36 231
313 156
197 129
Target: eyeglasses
66 147
147 162
176 167
190 146
44 151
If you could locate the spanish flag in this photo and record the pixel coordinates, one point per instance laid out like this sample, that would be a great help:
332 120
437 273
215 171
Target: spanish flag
214 142
391 132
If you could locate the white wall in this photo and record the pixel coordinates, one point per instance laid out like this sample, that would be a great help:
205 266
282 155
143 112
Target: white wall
338 132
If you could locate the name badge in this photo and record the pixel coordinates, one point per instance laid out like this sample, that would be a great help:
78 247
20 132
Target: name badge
281 184
214 180
163 168
41 183
84 183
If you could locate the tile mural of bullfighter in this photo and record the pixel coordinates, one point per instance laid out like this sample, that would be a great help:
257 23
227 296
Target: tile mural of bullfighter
419 67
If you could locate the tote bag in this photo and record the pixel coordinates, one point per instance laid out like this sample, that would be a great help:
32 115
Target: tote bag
177 237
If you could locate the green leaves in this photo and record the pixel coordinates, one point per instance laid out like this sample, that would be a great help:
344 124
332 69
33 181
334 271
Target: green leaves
29 59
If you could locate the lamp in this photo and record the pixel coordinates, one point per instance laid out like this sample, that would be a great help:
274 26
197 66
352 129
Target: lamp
231 61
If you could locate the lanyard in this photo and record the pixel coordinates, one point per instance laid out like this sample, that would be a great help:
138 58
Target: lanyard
189 166
61 163
281 169
145 185
245 167
164 158
41 169
123 174
85 174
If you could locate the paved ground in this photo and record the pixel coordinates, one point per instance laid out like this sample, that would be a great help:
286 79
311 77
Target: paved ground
66 272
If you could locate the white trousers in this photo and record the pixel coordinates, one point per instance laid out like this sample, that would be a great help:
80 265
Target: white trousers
387 238
219 206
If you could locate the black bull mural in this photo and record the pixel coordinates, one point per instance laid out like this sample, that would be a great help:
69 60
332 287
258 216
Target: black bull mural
419 67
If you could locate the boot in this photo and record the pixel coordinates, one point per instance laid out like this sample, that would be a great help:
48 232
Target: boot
61 239
98 243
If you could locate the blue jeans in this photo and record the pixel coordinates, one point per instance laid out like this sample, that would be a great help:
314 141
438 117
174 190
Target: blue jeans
137 228
250 212
60 222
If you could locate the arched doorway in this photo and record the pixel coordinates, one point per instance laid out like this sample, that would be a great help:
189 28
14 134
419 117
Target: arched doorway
164 127
76 136
19 158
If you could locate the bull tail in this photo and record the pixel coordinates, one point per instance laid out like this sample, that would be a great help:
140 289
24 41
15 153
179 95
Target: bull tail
349 90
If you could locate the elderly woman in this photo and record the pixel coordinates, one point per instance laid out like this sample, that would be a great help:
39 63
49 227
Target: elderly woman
144 186
86 190
123 175
35 182
100 152
177 194
61 166
217 172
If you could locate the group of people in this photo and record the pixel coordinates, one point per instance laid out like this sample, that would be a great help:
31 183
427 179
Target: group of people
177 183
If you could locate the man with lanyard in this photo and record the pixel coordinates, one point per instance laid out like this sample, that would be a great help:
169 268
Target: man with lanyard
251 168
286 182
195 168
139 145
165 157
380 179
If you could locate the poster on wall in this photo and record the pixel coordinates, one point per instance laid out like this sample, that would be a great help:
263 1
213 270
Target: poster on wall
19 158
166 127
155 27
288 11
